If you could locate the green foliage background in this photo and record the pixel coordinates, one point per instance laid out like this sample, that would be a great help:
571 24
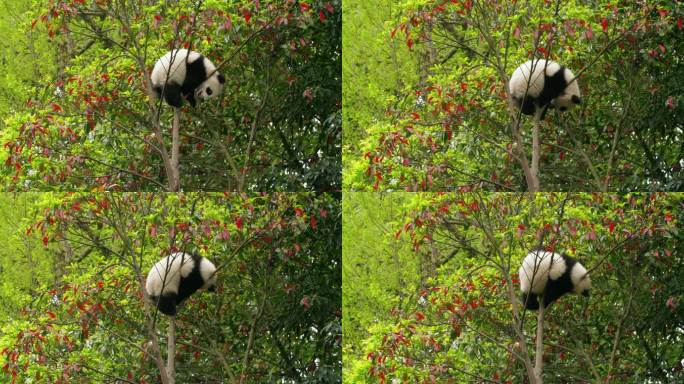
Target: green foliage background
425 296
74 111
73 266
425 85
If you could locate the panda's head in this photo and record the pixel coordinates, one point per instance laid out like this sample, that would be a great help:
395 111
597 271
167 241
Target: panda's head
210 87
580 280
570 96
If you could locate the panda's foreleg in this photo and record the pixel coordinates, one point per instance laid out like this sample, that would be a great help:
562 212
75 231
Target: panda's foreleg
172 95
544 109
190 97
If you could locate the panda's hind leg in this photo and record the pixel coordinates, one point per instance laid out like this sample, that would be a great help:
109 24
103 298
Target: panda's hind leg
172 95
527 106
530 301
167 304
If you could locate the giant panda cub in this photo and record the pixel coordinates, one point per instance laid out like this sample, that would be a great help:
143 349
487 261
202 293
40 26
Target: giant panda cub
550 85
551 275
177 276
182 74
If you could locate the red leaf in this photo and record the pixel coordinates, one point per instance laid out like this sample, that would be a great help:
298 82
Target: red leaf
303 7
521 229
671 302
679 23
591 235
670 102
56 108
516 32
604 24
415 116
409 43
45 241
247 15
157 17
611 227
238 222
323 213
662 12
321 16
420 316
299 212
224 235
329 7
51 314
304 302
668 217
313 223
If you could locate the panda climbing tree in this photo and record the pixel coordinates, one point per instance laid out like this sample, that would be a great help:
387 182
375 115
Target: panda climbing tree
534 87
181 75
169 283
537 85
178 76
544 278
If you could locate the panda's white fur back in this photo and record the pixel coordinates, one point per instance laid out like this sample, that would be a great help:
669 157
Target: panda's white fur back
156 284
537 266
172 63
534 73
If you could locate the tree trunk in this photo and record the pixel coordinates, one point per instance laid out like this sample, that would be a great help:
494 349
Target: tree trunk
174 173
539 356
171 351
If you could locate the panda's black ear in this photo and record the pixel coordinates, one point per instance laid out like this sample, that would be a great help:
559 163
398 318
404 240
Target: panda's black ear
576 99
221 78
